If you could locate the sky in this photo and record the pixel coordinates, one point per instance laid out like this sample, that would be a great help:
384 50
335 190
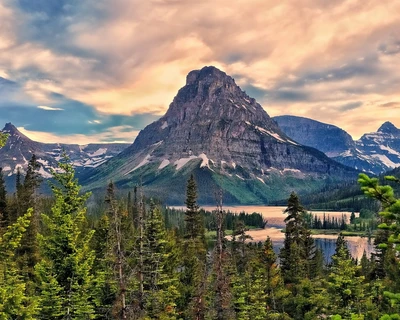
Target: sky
77 71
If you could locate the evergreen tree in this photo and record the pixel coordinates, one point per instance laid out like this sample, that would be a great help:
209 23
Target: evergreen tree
32 181
28 252
194 257
389 242
115 237
65 271
298 251
15 301
273 283
194 225
4 216
159 285
220 301
346 289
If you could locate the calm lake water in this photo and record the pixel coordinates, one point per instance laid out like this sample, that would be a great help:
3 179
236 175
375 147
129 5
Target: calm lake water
275 218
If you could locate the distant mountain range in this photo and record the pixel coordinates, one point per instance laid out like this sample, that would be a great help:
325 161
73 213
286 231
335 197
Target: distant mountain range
215 131
375 152
19 149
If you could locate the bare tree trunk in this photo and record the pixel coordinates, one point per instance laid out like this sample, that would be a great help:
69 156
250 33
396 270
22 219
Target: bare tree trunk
119 255
141 240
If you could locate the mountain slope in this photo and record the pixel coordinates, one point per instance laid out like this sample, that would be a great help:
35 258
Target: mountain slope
214 130
19 149
325 137
374 153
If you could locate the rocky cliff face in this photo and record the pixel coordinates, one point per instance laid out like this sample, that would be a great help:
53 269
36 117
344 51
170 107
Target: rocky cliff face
375 152
212 123
19 149
327 138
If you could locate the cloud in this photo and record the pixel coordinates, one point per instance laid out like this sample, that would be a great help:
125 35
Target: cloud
49 108
307 57
390 105
350 106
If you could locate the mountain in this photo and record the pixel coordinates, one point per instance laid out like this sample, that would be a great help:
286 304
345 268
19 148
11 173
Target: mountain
327 138
215 131
383 146
19 149
374 153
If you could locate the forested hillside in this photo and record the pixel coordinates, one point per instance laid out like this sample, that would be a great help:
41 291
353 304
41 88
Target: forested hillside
128 257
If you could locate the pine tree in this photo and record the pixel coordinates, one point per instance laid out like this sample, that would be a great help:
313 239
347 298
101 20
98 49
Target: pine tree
115 236
4 216
28 252
159 285
389 239
221 299
65 270
298 251
32 181
194 225
345 288
15 301
273 283
194 257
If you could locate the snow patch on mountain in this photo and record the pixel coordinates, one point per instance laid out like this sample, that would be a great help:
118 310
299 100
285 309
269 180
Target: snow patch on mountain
99 152
183 161
390 150
204 163
44 173
163 164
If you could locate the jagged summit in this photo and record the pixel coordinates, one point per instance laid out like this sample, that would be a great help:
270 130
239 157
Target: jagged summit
15 136
388 127
211 92
9 127
12 130
208 73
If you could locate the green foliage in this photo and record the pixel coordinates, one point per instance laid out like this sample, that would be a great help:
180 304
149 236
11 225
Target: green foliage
346 289
389 243
65 270
4 215
3 139
298 250
160 282
15 303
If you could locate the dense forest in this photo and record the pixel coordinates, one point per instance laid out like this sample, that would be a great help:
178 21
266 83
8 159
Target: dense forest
129 257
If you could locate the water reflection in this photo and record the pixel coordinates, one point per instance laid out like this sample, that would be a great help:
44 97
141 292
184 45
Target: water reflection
275 218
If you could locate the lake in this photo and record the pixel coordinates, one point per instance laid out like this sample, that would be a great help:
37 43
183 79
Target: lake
275 218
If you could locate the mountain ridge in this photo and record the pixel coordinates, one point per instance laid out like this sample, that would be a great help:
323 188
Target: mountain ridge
19 149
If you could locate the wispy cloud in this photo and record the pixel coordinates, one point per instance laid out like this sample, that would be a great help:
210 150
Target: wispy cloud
50 108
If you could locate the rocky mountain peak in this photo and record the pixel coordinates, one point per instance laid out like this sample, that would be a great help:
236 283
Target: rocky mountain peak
14 132
388 127
207 74
210 95
10 128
